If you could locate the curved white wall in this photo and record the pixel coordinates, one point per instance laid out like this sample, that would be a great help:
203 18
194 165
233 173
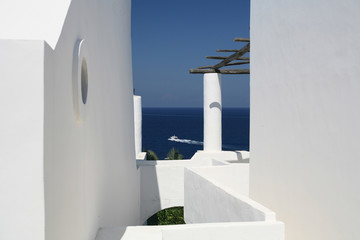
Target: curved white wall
90 170
305 132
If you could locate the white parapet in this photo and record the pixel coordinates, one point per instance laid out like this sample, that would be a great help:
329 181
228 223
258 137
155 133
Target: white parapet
138 124
212 112
209 197
208 231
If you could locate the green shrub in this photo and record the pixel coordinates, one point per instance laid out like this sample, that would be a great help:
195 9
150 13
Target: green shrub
169 216
150 155
174 155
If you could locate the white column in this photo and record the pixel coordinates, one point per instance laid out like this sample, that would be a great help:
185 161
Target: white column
138 124
212 112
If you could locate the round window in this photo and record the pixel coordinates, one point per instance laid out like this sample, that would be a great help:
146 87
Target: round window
84 81
80 81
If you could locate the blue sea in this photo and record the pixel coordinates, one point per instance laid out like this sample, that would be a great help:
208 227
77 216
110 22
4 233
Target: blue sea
159 124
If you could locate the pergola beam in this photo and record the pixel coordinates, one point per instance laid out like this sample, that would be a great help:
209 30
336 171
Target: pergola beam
205 67
233 57
228 50
242 39
216 57
222 58
229 64
237 63
222 71
228 61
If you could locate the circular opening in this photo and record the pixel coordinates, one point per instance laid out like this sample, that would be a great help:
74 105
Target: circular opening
84 81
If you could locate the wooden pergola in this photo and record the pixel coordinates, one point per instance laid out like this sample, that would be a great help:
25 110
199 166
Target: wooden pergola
235 59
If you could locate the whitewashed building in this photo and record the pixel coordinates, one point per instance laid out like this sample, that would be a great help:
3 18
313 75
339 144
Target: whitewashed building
305 114
70 153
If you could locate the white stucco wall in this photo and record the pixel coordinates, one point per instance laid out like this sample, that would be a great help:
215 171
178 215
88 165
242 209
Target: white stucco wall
305 132
70 176
162 184
35 19
208 200
233 176
161 187
21 140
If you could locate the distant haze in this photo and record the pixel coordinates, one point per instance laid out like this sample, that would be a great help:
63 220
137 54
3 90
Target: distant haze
171 37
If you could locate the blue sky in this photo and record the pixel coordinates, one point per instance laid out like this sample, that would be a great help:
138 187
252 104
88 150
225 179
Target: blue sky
170 37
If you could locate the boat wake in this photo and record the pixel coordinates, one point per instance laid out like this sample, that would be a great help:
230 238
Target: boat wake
187 141
193 142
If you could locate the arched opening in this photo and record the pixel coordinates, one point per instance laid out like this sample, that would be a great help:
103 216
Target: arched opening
168 216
